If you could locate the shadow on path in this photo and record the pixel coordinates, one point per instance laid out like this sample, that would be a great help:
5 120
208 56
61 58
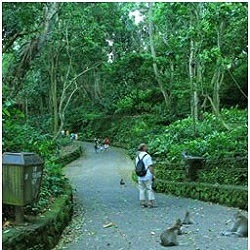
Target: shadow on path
100 200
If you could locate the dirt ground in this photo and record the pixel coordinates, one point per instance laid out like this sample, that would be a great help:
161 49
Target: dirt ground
108 216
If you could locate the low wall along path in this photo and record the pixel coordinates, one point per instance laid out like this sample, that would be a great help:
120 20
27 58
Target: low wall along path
111 218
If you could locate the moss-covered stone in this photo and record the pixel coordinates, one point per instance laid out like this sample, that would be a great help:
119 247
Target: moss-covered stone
69 157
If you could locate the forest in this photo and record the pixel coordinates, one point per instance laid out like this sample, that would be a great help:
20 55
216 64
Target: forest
173 75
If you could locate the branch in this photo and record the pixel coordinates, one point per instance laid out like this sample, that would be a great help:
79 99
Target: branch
69 56
86 70
63 97
217 113
237 84
69 98
14 37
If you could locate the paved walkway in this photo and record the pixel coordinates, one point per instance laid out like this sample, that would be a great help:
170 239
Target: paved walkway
104 202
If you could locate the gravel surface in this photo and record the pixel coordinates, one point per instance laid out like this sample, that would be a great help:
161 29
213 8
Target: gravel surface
108 216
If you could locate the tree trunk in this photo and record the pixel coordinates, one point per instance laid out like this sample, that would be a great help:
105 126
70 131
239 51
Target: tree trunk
53 88
50 18
219 74
218 114
66 97
193 85
155 68
54 105
218 79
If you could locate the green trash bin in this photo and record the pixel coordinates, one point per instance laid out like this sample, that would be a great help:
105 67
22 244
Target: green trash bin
21 178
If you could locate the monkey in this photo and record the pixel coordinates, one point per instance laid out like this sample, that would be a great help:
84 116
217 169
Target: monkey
178 223
239 227
187 219
122 182
169 236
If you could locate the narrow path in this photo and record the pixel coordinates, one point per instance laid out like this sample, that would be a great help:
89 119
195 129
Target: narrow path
102 200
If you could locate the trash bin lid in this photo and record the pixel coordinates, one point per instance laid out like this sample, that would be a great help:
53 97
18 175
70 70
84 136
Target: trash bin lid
22 158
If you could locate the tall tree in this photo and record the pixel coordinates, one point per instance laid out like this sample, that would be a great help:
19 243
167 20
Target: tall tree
36 37
183 56
153 53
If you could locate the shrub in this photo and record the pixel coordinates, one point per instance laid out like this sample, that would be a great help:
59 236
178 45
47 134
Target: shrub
222 194
212 141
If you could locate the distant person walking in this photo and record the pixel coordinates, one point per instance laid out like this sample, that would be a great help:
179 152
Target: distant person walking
106 143
63 133
72 136
146 193
97 144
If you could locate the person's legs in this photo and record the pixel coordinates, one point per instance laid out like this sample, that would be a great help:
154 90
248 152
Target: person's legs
150 192
142 190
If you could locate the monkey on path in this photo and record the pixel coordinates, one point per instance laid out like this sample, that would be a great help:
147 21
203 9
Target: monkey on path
122 183
239 227
169 236
178 223
187 219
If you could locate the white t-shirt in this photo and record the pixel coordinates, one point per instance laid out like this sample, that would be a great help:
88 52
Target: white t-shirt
147 161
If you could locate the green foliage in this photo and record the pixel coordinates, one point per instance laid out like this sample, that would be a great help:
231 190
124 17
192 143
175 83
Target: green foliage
18 136
224 176
211 141
24 138
127 84
212 175
166 173
124 105
20 18
222 194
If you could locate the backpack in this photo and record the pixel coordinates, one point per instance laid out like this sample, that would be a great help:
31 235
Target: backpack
140 169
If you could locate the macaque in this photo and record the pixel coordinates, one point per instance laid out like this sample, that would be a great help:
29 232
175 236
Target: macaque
169 236
178 223
239 227
122 182
187 219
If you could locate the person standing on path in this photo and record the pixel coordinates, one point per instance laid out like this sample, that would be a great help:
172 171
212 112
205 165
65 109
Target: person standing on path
97 144
106 143
145 182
